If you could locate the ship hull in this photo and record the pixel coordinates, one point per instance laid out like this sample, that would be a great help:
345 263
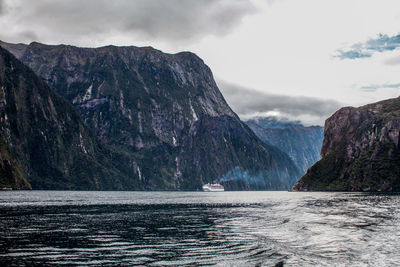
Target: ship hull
213 188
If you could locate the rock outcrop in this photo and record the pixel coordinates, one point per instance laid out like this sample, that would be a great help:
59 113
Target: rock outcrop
302 144
162 112
360 151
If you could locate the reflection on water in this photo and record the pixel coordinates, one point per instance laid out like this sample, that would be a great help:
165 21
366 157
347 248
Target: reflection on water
199 228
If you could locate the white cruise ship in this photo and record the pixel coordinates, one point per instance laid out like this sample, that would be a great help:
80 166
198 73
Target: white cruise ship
213 187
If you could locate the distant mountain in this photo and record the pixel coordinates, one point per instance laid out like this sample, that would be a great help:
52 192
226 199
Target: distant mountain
273 123
302 144
164 113
43 140
360 152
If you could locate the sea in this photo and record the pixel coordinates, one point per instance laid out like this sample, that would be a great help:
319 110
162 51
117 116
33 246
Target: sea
262 228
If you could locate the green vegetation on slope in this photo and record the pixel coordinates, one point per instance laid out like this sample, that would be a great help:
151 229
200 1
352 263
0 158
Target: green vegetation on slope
11 174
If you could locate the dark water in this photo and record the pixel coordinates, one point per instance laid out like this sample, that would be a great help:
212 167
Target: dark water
199 228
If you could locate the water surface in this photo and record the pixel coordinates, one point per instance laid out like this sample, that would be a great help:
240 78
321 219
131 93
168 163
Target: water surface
198 228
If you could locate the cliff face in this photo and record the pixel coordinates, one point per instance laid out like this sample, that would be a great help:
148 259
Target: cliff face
302 144
11 174
43 138
163 112
360 151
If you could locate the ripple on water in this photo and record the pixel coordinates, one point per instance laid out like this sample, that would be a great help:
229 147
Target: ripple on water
193 228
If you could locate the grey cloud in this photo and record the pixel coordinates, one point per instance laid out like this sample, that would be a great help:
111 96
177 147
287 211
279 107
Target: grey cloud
29 35
246 102
392 61
374 87
172 20
379 44
1 7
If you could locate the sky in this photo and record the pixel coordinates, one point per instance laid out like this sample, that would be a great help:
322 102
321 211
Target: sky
295 59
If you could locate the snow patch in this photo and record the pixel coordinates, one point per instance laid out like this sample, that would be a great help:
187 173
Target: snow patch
81 143
121 101
139 173
93 102
194 115
139 143
140 122
4 94
178 173
88 93
45 138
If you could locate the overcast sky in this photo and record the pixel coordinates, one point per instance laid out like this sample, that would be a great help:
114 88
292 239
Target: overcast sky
289 58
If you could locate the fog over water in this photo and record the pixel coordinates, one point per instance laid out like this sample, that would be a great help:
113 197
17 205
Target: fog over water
199 228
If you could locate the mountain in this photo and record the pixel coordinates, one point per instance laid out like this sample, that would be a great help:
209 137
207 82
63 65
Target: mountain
302 144
43 141
164 112
360 151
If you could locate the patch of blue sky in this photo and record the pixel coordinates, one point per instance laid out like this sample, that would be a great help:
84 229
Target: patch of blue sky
379 44
374 87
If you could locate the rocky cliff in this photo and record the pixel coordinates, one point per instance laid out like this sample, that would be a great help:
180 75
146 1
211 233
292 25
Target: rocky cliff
44 142
302 144
163 112
360 151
